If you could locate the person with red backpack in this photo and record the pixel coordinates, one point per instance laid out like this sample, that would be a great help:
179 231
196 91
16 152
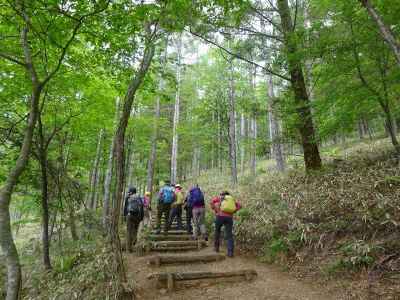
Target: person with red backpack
224 207
196 202
166 197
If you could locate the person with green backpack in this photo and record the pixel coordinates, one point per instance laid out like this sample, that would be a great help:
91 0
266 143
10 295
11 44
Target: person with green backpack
224 206
166 197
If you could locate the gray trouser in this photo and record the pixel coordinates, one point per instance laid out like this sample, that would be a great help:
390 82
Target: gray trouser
132 224
199 226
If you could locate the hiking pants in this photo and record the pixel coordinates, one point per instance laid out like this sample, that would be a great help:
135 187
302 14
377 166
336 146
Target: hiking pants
176 212
227 222
189 216
163 209
132 226
147 217
199 226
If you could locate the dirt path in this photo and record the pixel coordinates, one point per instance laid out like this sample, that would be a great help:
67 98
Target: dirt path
270 283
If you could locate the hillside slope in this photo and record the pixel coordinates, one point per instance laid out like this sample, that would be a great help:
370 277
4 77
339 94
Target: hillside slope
339 224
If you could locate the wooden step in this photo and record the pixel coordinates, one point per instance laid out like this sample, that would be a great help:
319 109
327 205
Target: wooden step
158 260
171 232
171 278
166 244
174 248
170 237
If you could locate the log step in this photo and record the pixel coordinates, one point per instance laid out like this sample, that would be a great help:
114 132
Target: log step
164 244
171 278
172 232
177 259
174 248
170 237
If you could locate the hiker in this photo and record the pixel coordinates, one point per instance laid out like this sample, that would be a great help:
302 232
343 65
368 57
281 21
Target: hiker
147 209
176 207
196 201
188 208
165 198
224 206
134 213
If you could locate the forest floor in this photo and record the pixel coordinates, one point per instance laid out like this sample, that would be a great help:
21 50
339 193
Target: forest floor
271 282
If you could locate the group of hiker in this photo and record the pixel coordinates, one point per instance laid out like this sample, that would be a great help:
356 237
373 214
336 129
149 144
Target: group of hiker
171 202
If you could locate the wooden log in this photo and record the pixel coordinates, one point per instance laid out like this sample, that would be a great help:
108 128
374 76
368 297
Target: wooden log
172 237
179 243
184 276
177 248
172 232
177 259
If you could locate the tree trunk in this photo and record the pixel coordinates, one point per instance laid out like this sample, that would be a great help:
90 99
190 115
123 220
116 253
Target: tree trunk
253 162
130 161
45 206
134 85
253 125
157 113
312 157
6 239
242 142
387 34
274 130
232 125
174 156
95 174
390 125
360 129
109 173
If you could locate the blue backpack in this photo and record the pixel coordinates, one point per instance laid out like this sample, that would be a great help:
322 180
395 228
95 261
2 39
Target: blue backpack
196 197
167 194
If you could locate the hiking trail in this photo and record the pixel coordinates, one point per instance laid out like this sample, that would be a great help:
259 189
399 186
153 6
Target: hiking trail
175 258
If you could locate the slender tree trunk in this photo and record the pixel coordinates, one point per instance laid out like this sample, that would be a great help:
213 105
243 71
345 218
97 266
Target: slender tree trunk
6 239
367 128
134 85
130 161
274 130
232 125
95 173
174 156
242 141
157 113
360 129
385 30
253 125
312 157
390 125
219 142
109 173
253 163
45 206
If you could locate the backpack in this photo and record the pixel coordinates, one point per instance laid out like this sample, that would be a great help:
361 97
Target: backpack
196 197
167 194
135 205
228 205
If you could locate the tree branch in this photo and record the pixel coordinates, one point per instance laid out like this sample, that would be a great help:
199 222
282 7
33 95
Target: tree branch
236 55
12 59
63 52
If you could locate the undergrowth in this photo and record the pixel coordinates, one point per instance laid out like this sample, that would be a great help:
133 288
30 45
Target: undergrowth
344 219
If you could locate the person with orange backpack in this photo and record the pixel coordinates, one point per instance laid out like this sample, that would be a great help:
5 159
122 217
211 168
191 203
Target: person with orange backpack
224 207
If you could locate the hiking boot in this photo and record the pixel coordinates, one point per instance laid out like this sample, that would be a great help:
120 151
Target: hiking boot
158 231
216 249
